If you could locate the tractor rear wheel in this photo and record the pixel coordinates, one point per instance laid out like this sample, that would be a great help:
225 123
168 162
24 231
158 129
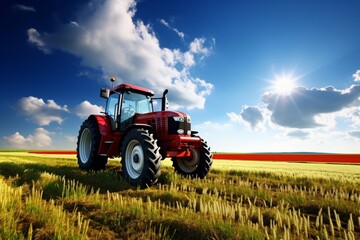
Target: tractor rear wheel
198 165
140 158
88 146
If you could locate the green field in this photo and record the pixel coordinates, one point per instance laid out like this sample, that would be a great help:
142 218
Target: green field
48 197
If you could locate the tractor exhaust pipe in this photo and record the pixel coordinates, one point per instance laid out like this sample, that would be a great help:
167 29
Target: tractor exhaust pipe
164 101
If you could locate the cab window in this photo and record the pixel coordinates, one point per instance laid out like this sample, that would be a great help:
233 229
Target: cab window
112 107
134 103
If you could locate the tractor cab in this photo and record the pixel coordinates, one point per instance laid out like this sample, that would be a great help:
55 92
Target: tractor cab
126 100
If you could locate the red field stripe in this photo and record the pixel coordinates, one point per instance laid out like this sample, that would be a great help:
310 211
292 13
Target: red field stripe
330 158
281 157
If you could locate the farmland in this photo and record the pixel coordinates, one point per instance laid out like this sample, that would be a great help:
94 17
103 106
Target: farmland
48 197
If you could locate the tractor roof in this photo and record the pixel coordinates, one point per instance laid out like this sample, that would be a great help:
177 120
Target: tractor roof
130 87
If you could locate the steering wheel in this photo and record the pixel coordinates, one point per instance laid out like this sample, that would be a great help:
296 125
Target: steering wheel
128 112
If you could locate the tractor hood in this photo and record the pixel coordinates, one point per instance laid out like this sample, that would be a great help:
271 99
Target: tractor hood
166 122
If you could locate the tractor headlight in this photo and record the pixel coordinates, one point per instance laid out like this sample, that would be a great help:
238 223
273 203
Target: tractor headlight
178 119
180 131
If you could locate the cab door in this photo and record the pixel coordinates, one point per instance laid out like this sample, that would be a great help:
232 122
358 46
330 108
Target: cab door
128 110
112 110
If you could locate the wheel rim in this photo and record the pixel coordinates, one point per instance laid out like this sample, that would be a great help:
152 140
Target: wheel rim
189 165
85 145
134 159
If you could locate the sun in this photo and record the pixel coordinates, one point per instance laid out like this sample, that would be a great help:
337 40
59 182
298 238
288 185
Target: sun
284 84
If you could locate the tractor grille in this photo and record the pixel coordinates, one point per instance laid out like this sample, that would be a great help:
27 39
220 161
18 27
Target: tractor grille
161 125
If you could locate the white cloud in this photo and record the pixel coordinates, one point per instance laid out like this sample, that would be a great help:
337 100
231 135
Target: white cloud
20 7
355 117
40 112
42 138
34 38
198 46
106 37
85 109
298 134
251 116
356 76
18 141
166 24
308 108
234 117
39 139
71 139
355 134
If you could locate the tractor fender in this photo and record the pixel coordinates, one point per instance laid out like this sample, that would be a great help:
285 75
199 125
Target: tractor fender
103 123
139 125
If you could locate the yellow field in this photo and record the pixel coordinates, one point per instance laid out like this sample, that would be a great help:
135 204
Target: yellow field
48 197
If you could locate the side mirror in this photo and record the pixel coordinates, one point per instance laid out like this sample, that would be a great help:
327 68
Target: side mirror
104 93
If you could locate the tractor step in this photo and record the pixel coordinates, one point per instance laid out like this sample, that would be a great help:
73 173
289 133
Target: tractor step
105 147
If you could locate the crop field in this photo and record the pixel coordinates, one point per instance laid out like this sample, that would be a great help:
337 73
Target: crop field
46 196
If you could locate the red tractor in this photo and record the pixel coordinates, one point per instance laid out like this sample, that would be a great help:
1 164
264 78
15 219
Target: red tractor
130 128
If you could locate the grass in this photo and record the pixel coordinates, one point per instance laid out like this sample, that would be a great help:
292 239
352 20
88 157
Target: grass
48 197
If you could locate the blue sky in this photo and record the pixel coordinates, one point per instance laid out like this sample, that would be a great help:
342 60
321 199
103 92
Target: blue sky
255 76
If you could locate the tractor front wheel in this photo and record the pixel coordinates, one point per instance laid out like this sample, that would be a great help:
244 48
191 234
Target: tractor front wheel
140 158
88 145
198 165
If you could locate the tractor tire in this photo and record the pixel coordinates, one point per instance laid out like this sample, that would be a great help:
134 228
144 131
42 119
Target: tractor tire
88 146
198 166
140 158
